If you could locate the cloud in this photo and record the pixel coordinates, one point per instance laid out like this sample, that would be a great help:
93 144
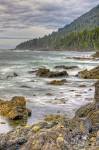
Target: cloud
26 17
23 13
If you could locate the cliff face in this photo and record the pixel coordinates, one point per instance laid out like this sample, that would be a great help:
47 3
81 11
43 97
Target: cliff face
82 33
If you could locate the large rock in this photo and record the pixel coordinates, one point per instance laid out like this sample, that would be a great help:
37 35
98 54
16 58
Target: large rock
96 55
91 74
43 72
15 108
53 134
90 113
85 110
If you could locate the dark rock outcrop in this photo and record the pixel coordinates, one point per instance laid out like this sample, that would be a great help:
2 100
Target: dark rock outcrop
66 67
91 74
43 72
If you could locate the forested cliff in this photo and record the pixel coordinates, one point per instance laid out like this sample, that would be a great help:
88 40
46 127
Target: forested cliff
82 33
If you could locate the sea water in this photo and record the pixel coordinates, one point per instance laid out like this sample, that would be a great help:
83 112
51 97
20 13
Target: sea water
36 90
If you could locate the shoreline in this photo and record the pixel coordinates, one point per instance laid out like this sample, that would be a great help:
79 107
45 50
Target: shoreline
56 131
52 49
80 132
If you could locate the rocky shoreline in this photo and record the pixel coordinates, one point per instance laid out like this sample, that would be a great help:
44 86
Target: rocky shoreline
56 132
89 74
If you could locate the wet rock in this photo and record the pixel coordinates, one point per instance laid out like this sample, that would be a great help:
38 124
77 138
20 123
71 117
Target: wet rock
55 138
85 110
55 133
97 92
14 74
94 117
2 122
43 72
82 85
85 125
29 112
55 118
15 108
96 55
65 67
77 95
14 139
25 86
57 82
91 74
58 101
49 94
32 72
90 113
97 139
79 58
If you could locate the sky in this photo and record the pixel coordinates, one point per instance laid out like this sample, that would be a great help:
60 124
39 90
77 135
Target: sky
27 19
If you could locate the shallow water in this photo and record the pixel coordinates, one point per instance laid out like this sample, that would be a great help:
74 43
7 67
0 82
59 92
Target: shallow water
35 89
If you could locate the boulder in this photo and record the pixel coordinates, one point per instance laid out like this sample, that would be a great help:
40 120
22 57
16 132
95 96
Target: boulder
55 133
91 74
43 72
15 108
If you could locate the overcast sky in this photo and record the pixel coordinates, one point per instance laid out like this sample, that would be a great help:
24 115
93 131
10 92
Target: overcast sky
26 19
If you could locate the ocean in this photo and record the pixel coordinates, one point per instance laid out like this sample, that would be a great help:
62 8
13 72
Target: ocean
43 98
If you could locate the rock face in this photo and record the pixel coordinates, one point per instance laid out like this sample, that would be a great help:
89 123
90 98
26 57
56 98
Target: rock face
14 109
91 74
43 72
